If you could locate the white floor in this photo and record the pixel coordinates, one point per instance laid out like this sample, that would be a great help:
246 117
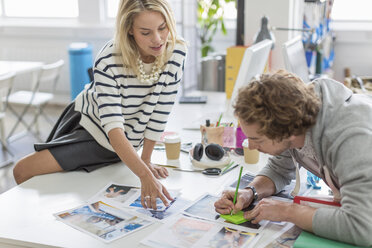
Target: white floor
24 144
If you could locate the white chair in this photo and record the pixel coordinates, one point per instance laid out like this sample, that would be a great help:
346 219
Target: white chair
47 78
6 83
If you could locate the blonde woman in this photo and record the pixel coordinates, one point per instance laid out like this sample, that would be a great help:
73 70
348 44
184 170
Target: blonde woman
125 107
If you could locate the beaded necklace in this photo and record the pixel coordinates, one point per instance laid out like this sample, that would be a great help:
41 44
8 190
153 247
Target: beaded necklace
148 78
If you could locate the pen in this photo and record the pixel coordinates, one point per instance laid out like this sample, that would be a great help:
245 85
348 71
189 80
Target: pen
237 187
167 165
229 169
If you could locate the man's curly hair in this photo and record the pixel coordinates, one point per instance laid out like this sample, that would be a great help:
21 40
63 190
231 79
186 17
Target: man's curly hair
280 103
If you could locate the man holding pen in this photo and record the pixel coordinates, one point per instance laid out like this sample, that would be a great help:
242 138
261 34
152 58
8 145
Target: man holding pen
321 126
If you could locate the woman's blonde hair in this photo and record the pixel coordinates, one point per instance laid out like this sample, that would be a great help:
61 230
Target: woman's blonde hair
280 103
125 43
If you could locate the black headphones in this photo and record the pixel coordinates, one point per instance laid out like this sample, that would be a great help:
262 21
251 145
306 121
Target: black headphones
213 151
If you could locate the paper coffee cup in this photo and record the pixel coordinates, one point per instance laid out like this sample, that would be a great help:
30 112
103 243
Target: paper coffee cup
172 146
250 156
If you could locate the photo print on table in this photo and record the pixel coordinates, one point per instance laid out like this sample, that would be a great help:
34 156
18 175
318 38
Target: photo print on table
116 193
102 221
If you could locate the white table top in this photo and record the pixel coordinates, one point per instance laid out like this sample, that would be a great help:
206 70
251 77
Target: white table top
27 210
19 67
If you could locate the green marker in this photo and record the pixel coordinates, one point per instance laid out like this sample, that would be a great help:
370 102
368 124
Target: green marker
237 187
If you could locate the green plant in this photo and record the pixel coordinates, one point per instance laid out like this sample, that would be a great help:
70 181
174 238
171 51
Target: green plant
210 17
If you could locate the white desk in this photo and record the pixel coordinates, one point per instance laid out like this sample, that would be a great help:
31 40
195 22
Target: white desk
27 210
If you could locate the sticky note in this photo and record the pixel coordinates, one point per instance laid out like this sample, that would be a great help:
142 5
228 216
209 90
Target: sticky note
237 218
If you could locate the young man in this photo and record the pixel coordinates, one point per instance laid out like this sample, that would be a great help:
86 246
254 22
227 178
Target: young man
323 127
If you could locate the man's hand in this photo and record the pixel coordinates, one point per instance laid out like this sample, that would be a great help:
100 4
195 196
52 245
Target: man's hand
269 209
225 204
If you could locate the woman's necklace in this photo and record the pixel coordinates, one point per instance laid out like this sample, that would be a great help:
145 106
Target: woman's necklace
148 78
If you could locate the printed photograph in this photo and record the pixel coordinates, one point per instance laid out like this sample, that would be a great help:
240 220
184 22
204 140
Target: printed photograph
135 201
204 208
116 192
102 221
174 208
229 237
183 232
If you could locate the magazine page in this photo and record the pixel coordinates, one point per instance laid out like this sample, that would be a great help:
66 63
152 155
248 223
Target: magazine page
204 208
102 221
116 194
185 231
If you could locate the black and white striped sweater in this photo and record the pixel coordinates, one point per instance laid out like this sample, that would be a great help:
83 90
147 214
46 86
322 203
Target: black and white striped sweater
117 99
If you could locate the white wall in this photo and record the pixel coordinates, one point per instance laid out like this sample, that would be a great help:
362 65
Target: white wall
47 40
353 49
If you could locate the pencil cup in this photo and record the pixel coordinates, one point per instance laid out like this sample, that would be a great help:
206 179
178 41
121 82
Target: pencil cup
229 137
172 146
240 137
250 156
212 135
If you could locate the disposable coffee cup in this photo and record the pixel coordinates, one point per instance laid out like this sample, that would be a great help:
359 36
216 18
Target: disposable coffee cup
250 156
172 146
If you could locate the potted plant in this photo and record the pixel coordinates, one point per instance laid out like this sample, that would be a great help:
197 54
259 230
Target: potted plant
210 18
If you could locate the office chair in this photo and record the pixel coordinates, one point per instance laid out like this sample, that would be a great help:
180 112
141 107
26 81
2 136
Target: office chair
35 99
6 83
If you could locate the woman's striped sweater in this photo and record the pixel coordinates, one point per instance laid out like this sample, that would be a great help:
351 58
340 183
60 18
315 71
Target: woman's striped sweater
117 99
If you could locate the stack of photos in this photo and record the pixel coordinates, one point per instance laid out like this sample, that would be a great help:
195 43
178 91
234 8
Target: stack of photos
102 221
188 232
116 211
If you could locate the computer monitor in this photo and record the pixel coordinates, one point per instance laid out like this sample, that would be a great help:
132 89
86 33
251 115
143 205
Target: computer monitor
295 58
253 64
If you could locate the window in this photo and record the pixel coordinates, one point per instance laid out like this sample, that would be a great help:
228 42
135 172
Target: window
230 11
41 8
112 8
356 10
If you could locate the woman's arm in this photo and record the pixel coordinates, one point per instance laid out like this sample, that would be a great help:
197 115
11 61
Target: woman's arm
149 185
148 147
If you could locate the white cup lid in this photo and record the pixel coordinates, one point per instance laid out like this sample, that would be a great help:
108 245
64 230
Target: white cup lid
245 143
174 138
